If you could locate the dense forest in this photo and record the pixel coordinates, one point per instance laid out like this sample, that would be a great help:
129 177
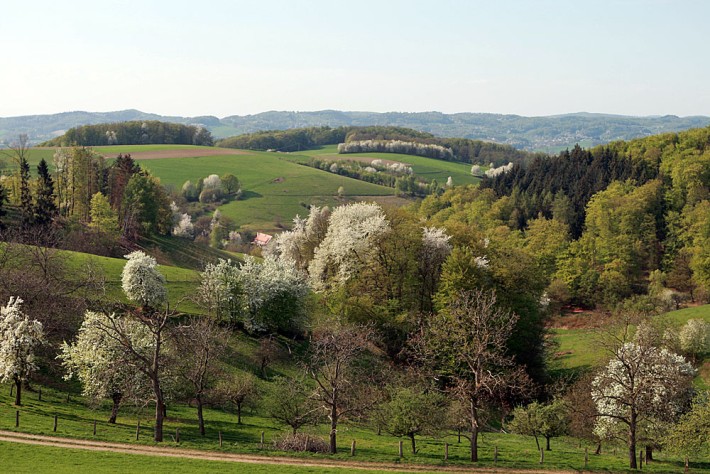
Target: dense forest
134 133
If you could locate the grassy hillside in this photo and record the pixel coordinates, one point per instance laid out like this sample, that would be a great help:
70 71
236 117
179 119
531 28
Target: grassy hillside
427 168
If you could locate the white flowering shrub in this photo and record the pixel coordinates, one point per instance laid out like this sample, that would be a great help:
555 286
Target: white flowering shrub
298 245
348 243
370 169
477 170
142 282
19 337
492 172
334 168
274 294
184 227
377 163
694 337
436 245
220 290
100 362
213 181
449 182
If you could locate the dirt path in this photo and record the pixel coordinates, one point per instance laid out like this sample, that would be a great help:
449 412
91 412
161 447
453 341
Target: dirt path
57 442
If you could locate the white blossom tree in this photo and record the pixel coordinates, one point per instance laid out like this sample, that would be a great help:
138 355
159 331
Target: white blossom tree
101 363
348 243
435 248
449 182
184 227
19 337
274 293
220 292
142 282
299 244
694 337
640 383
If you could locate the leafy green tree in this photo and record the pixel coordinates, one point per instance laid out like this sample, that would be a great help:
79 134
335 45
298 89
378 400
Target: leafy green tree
45 209
690 436
147 207
547 420
103 218
412 411
230 184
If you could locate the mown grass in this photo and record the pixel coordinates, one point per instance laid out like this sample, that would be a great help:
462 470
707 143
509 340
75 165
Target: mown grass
24 458
427 168
75 420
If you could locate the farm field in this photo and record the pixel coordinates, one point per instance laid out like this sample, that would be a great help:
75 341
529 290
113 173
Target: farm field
427 168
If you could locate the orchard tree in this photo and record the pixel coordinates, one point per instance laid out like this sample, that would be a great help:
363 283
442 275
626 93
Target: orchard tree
299 244
413 411
537 419
239 389
19 338
691 434
640 383
465 345
198 366
220 291
289 402
695 337
101 363
333 351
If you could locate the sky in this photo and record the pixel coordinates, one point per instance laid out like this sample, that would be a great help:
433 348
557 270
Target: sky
222 57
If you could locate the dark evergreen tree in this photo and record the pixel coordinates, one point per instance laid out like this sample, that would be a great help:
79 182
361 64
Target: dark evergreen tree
119 174
26 207
45 209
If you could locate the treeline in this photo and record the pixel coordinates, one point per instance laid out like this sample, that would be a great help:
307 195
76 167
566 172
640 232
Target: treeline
397 146
465 150
134 133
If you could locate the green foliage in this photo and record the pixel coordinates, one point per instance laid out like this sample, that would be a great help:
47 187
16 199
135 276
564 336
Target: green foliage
45 208
412 411
547 420
147 206
690 436
134 133
103 218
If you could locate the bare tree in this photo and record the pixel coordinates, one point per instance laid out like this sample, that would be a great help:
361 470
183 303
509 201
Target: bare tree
240 390
333 351
290 403
197 348
466 347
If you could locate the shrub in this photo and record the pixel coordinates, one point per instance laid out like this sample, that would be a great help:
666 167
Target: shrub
301 442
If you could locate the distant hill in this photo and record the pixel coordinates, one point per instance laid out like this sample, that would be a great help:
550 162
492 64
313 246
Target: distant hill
551 133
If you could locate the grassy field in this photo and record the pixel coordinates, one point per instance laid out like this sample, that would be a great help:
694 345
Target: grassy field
75 420
427 168
579 348
275 189
22 458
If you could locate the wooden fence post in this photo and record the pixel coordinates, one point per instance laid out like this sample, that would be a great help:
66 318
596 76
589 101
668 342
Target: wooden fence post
446 451
17 419
495 454
40 394
138 429
586 456
94 427
542 455
401 453
55 424
262 440
220 439
687 464
177 435
352 449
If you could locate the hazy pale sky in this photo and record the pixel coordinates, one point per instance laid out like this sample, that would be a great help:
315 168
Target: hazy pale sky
221 57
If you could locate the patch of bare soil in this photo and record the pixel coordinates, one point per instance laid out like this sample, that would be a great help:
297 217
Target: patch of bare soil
577 318
179 153
13 437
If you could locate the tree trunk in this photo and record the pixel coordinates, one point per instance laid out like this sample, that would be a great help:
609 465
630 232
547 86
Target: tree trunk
547 443
599 449
18 392
649 453
239 413
414 443
537 442
200 417
333 429
474 431
116 397
632 442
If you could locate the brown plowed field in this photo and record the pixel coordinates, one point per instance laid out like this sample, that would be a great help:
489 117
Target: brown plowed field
179 153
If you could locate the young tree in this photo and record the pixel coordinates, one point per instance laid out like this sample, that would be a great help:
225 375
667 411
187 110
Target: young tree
238 389
101 363
641 382
332 353
695 337
19 337
289 402
45 209
550 421
691 434
103 218
198 365
466 345
412 411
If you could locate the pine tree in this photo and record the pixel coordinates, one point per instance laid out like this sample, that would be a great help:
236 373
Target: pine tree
26 208
45 208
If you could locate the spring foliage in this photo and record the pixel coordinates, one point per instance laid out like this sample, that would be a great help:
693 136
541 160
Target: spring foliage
20 336
142 282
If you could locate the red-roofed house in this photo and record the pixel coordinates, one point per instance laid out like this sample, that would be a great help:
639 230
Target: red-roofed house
262 239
